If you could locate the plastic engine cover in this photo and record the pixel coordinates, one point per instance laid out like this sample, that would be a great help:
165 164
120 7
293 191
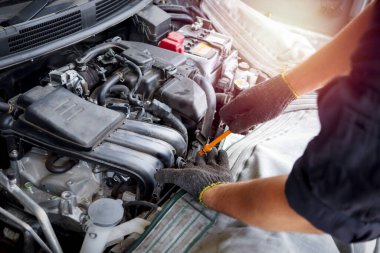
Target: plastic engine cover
59 121
63 115
185 97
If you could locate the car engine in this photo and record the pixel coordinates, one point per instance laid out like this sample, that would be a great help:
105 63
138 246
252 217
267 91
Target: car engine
85 142
107 120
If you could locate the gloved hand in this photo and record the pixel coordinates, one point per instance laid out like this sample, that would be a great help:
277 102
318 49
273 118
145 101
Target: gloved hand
257 104
208 170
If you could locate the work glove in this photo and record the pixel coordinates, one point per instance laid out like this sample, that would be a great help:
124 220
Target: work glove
207 171
258 104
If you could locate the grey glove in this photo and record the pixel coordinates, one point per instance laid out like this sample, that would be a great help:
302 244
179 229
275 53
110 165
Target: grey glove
257 105
208 169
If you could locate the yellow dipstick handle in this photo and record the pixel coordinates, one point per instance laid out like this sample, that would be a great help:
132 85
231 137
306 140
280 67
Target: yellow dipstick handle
207 148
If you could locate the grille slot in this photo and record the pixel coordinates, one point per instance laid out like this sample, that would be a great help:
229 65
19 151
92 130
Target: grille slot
107 7
45 32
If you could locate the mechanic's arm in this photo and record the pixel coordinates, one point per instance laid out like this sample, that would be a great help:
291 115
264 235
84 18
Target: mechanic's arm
267 100
335 184
333 59
261 203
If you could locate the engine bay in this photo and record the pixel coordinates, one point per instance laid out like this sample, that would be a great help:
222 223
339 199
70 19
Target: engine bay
91 124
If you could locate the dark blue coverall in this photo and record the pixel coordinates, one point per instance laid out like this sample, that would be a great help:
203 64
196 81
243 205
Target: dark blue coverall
336 183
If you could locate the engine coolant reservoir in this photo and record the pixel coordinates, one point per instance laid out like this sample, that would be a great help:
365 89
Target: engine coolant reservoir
104 215
241 76
245 76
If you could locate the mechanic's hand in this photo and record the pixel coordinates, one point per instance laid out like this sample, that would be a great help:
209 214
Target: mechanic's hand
257 104
208 169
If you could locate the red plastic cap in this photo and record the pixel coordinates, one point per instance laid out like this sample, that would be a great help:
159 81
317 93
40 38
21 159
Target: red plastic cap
177 37
174 42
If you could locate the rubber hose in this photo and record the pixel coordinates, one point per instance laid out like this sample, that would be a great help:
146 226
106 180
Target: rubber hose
175 9
114 79
211 104
182 18
140 113
58 169
5 107
66 67
158 110
175 123
141 203
139 74
117 89
121 90
182 9
132 99
100 49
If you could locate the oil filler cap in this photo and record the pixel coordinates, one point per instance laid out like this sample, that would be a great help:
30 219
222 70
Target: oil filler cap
106 212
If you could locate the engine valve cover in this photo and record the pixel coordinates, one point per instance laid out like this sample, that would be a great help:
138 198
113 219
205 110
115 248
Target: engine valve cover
62 122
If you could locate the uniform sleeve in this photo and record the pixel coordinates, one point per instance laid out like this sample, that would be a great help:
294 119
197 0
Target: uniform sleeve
336 183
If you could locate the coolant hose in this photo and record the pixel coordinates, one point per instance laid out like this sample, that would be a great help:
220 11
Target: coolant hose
114 79
182 9
67 67
100 49
140 203
121 90
211 104
175 9
162 111
118 89
175 123
58 169
182 18
132 99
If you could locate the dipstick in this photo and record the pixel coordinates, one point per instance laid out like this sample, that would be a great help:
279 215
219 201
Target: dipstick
207 148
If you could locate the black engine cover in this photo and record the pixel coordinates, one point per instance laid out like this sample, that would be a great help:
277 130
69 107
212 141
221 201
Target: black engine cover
71 119
64 123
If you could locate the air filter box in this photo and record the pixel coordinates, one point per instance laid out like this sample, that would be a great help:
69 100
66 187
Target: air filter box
185 97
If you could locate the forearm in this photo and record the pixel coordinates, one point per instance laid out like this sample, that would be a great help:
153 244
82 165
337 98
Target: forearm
333 59
261 203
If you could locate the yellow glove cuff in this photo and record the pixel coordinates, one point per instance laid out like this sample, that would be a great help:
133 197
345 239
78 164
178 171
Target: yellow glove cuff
205 189
288 84
10 110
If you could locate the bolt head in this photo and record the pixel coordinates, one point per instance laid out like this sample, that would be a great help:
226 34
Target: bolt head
13 154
